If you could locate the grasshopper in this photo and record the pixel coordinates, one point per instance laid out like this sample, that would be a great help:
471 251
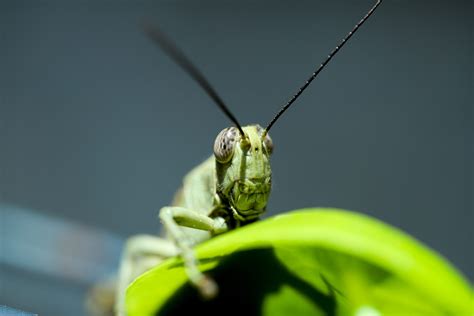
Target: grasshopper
228 190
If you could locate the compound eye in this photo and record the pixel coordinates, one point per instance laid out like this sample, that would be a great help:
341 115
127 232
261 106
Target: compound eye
267 140
268 143
225 143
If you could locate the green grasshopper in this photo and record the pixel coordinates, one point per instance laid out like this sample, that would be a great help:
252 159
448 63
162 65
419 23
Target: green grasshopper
228 190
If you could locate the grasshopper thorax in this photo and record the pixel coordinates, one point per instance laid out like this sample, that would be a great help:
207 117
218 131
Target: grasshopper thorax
243 170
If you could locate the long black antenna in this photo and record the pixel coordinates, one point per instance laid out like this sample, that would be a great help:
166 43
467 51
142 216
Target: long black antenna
178 56
314 75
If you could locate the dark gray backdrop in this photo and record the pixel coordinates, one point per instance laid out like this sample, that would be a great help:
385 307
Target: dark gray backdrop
99 127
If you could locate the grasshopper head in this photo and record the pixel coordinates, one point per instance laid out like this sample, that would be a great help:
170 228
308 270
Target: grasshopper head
243 169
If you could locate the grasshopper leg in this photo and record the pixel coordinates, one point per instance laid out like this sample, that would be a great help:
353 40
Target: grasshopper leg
141 253
174 217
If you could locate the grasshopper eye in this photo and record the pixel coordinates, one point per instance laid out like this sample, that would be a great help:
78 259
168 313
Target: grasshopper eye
224 144
267 140
268 143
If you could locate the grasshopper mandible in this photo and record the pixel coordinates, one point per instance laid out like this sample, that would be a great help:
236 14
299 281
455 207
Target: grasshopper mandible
228 190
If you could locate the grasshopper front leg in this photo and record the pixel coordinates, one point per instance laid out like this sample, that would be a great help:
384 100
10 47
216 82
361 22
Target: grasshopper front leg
172 218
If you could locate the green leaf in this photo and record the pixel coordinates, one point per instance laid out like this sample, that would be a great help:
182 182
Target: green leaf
309 262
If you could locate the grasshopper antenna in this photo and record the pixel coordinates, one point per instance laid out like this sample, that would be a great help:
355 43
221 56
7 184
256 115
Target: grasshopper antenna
168 46
321 66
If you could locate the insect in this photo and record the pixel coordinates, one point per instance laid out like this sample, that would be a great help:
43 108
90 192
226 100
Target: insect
228 190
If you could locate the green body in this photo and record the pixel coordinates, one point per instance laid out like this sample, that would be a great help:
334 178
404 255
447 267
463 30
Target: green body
226 191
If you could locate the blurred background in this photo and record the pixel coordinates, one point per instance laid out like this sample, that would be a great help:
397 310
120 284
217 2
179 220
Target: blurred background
98 126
